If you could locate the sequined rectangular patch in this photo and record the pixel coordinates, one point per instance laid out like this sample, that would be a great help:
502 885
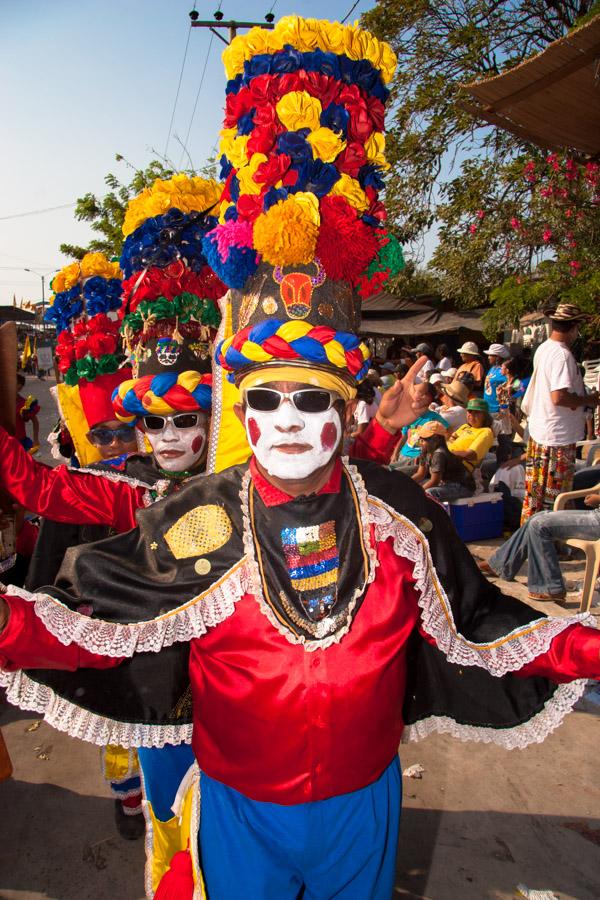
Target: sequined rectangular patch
312 561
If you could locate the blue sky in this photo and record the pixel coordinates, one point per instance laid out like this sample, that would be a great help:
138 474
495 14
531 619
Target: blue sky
81 80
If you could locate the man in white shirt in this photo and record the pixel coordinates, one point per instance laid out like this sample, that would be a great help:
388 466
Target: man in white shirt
554 403
425 350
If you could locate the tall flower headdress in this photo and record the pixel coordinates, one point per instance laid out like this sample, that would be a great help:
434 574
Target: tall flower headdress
85 308
301 236
169 293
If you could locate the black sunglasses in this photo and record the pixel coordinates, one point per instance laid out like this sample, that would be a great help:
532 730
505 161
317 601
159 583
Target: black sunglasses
308 400
102 437
181 420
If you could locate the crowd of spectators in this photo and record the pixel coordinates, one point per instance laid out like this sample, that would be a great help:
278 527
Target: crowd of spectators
501 421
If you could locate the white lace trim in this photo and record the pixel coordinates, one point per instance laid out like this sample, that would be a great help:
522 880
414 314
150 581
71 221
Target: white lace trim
509 652
534 731
191 620
255 581
65 716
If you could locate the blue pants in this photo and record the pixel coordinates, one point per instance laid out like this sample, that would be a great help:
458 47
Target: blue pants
343 848
534 541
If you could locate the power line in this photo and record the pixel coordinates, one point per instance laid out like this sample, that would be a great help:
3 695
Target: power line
185 143
36 212
187 44
350 11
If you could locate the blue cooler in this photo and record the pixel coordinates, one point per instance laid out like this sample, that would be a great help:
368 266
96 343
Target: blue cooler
478 518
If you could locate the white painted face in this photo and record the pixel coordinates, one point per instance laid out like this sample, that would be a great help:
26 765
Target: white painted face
178 449
290 444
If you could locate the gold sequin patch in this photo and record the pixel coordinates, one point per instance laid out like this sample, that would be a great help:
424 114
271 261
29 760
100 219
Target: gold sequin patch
201 530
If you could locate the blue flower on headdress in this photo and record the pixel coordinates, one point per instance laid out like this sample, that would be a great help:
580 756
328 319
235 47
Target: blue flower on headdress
234 189
231 214
102 294
370 175
325 62
66 307
273 196
226 168
336 117
245 123
287 60
294 144
240 264
234 84
163 239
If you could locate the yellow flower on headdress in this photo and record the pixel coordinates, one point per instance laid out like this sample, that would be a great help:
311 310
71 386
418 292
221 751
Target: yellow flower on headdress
287 233
308 34
182 192
350 189
326 144
375 150
66 278
299 110
98 264
246 174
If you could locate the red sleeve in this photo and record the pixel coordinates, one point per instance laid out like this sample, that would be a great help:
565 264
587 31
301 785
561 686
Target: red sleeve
574 653
25 643
374 443
65 495
27 538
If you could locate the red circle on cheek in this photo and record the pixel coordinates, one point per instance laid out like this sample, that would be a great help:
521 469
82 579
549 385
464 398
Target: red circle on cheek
197 443
329 436
253 431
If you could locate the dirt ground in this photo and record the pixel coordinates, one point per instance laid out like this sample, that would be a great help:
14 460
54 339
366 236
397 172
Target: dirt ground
480 821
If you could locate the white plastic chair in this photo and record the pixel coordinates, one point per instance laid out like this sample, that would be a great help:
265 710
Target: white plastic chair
590 548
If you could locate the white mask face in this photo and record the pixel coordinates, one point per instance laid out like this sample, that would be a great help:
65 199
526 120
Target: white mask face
178 449
290 444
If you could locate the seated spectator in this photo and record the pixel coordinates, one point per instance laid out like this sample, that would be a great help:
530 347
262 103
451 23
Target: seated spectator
365 409
471 363
440 472
534 541
428 367
472 441
408 449
436 381
453 407
442 358
449 374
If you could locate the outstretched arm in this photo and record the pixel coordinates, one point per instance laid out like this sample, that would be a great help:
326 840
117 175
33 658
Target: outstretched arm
63 494
25 643
398 408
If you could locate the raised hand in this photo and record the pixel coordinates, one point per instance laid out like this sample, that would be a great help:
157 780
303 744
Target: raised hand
400 405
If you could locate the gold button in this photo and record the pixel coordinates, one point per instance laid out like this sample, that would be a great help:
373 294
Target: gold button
202 566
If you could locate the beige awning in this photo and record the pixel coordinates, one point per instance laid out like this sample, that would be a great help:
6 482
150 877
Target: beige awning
552 99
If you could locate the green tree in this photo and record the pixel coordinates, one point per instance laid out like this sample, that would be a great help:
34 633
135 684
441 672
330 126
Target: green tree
446 166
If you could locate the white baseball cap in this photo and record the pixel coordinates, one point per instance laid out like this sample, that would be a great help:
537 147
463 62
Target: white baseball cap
435 378
497 350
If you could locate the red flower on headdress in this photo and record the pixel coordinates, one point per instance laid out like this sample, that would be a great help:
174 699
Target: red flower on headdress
261 140
351 159
272 171
249 206
346 245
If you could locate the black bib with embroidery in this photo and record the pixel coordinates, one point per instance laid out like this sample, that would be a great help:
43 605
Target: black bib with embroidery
312 560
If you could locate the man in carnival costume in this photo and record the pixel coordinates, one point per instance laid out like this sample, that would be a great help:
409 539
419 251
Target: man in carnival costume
294 616
168 319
